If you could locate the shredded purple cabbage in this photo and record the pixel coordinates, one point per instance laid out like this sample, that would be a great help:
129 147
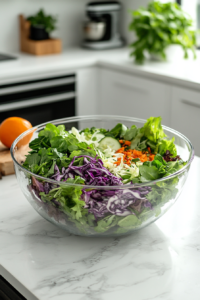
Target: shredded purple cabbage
116 202
99 202
92 171
38 185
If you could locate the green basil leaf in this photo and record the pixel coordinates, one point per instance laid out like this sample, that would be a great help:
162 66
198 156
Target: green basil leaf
149 173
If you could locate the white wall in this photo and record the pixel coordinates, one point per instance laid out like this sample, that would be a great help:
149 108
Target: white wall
126 16
70 15
191 8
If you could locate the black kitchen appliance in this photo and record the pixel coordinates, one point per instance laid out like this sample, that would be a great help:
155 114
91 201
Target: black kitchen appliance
39 100
8 292
102 28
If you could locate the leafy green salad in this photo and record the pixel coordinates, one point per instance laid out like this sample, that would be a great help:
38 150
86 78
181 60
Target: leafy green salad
102 179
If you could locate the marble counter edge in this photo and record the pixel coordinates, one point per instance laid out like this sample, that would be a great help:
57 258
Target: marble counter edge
16 284
65 64
53 71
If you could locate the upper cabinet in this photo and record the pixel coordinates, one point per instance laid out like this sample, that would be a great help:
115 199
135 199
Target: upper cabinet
129 95
185 114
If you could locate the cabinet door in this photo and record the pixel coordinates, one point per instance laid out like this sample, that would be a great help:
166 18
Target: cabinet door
87 91
186 114
128 95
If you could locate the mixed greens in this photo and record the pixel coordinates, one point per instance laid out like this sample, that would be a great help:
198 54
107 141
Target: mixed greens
100 167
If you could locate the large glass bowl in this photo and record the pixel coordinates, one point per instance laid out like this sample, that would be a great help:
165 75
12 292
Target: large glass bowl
162 193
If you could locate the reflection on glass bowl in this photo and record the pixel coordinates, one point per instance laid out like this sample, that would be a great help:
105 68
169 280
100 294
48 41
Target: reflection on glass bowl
162 192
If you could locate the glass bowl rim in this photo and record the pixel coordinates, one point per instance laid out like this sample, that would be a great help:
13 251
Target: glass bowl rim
109 117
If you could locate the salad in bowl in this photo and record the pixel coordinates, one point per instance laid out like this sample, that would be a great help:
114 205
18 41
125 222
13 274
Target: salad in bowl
102 175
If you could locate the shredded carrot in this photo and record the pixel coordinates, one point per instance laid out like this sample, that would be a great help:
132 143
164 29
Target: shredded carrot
118 161
131 154
127 143
120 150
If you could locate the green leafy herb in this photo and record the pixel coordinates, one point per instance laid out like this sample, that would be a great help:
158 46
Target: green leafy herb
106 223
149 173
129 221
136 140
135 160
40 142
41 19
68 196
130 133
159 26
118 131
60 143
163 192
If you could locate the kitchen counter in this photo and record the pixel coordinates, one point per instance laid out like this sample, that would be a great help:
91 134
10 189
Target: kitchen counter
181 72
160 262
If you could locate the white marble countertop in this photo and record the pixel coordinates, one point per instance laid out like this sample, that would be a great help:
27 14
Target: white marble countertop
160 262
181 72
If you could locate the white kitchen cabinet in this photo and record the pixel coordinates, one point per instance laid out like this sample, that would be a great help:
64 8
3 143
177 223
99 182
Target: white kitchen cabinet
129 95
185 114
87 91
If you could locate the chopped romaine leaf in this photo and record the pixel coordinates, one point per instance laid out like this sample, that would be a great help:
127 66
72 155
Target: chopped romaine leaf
153 130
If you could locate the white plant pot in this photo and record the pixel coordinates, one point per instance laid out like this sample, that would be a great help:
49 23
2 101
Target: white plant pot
174 53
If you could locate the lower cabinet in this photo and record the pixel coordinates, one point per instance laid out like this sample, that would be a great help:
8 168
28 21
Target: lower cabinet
129 95
185 114
87 91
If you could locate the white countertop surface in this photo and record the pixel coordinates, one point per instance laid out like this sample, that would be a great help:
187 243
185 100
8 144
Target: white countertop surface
160 262
181 72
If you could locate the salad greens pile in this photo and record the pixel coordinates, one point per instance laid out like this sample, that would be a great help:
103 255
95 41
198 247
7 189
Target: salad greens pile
100 167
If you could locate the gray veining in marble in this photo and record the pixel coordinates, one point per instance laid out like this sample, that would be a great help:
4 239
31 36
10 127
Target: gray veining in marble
160 262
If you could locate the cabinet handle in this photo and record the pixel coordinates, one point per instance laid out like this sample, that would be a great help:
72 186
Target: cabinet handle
132 88
37 101
187 102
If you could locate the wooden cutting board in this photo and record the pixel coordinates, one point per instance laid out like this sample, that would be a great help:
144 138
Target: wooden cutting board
6 163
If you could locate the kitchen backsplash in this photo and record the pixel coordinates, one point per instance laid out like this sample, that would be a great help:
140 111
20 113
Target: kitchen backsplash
70 15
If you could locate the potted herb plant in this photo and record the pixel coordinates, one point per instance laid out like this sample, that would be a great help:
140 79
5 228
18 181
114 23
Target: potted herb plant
41 25
160 26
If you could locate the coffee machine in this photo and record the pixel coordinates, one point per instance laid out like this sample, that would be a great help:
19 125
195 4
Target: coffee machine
101 30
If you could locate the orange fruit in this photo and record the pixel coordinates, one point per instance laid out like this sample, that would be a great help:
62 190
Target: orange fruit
11 128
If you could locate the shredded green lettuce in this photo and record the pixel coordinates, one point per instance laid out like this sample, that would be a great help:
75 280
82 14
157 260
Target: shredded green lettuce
153 130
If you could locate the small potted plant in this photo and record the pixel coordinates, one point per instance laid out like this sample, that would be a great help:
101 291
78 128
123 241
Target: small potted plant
41 25
160 26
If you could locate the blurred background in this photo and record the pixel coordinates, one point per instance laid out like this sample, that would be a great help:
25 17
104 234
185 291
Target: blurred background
65 58
70 14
